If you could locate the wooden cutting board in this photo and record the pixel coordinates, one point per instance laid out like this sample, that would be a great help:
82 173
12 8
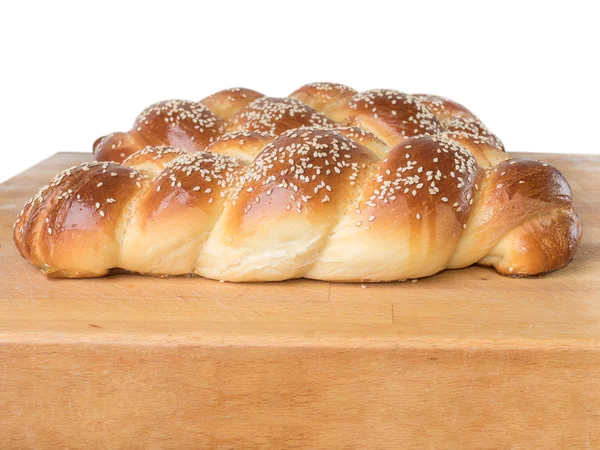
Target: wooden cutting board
464 359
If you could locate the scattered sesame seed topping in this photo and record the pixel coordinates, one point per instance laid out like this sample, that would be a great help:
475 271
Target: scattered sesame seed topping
198 121
276 115
303 162
406 114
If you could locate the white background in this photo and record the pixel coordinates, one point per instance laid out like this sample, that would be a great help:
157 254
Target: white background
71 72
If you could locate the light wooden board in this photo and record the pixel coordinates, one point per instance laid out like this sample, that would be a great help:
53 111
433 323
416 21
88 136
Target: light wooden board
464 359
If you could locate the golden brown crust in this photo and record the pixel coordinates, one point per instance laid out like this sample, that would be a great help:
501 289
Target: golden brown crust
365 138
305 171
290 198
190 126
177 123
229 102
244 145
473 127
409 218
455 117
444 108
193 180
512 193
538 246
80 205
393 116
313 203
331 99
420 174
277 115
485 150
153 160
116 146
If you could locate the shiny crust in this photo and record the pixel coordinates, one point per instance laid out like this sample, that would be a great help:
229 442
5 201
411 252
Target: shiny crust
329 184
177 123
277 115
327 98
455 117
245 145
391 115
311 203
227 103
517 197
409 217
486 151
81 205
365 138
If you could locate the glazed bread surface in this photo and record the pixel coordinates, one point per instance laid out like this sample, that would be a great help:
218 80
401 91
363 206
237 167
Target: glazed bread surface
328 183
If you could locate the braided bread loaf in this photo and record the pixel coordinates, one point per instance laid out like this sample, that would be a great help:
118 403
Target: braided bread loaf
327 184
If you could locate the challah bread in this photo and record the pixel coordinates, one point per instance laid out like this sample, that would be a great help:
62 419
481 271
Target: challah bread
312 202
328 184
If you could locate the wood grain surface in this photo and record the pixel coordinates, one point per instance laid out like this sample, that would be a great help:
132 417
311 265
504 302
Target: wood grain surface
464 359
